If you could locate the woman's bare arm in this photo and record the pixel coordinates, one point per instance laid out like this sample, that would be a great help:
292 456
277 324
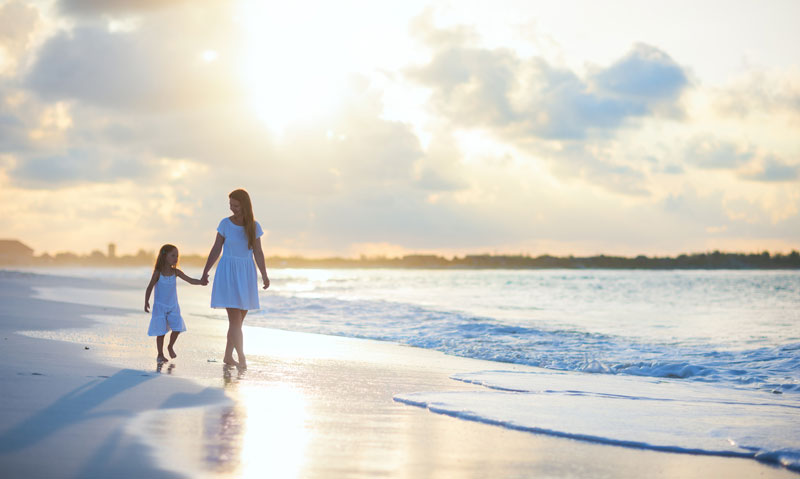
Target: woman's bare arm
213 255
258 254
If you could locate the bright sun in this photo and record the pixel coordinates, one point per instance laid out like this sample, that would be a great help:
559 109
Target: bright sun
297 58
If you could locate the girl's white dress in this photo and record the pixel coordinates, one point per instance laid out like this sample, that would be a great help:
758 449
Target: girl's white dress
236 279
166 313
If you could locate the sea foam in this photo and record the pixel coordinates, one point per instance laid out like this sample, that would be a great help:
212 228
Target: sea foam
662 415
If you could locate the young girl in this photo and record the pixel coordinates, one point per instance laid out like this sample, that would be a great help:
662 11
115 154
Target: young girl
235 287
166 312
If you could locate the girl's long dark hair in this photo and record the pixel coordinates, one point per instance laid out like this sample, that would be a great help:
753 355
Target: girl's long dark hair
243 198
161 260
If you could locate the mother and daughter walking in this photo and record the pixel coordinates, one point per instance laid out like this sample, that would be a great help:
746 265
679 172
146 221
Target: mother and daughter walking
235 285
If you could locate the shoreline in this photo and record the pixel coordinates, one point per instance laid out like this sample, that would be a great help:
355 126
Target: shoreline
60 403
309 406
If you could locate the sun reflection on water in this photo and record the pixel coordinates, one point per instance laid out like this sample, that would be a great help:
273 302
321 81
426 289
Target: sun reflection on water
265 434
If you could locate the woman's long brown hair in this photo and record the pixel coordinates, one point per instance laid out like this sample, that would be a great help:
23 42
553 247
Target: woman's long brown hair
243 198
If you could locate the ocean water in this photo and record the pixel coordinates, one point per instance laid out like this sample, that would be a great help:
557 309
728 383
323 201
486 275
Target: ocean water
702 362
686 361
740 329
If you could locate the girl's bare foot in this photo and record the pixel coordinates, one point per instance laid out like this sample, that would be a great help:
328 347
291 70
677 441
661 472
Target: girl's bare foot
171 352
161 359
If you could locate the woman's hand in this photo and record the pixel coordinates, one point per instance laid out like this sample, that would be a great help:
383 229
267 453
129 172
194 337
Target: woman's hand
266 282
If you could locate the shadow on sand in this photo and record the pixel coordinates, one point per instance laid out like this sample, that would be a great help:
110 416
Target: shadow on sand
74 407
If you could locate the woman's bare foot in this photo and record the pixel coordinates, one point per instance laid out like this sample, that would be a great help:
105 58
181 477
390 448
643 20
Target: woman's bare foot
161 359
171 352
230 362
242 365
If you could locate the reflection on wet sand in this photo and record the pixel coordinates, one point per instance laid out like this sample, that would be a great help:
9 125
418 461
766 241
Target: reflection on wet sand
264 433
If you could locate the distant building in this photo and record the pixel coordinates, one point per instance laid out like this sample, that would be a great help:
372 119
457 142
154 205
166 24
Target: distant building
14 252
112 250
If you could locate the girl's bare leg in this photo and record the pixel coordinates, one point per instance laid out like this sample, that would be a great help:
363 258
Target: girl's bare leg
172 338
160 347
235 340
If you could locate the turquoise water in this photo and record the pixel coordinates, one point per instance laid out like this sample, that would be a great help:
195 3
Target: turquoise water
740 328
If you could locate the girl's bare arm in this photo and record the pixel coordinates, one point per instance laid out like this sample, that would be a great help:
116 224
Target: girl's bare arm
149 290
188 279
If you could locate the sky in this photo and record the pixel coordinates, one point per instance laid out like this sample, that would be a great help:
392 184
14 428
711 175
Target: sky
392 128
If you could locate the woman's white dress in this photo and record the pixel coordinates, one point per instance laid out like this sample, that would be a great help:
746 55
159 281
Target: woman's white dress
236 279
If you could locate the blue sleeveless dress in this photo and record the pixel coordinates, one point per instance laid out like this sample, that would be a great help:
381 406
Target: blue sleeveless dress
166 314
236 278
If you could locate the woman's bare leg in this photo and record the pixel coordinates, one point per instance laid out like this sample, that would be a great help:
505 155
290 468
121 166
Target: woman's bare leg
231 338
235 339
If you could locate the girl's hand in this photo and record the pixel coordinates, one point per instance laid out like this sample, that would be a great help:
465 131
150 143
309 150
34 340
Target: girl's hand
147 306
266 283
204 279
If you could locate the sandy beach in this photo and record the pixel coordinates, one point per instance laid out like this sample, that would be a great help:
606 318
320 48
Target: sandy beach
82 396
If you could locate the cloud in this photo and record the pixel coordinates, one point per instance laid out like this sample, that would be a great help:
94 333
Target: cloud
26 123
645 72
18 23
760 92
524 98
773 169
440 168
13 136
128 98
77 166
531 104
699 209
711 153
156 66
112 7
126 70
422 27
563 106
470 86
599 166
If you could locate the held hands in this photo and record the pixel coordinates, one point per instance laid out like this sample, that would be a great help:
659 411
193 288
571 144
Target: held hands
204 280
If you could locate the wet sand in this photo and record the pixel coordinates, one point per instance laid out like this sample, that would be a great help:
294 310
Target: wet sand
309 406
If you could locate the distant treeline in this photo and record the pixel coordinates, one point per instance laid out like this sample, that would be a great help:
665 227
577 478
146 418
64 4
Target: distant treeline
713 260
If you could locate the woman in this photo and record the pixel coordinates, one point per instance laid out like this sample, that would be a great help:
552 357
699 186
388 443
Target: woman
235 288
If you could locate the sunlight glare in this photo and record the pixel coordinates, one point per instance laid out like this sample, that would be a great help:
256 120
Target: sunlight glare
276 436
298 55
210 56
